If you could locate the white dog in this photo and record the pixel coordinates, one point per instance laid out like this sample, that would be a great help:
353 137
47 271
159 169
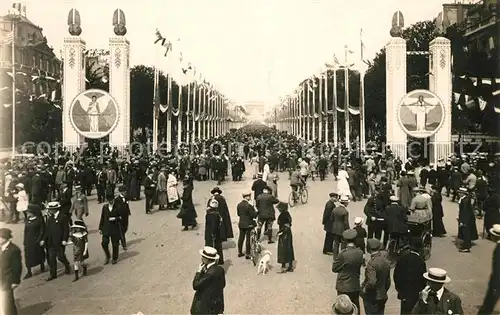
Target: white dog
264 263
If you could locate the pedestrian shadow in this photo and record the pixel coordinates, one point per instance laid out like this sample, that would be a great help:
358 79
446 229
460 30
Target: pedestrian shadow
128 254
227 263
495 312
135 241
36 309
229 244
94 270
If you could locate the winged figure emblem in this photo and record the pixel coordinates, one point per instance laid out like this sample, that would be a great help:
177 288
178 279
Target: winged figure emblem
426 112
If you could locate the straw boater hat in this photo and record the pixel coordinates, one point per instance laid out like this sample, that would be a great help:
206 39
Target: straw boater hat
20 185
344 199
462 190
209 253
437 275
358 220
394 198
344 306
53 205
495 230
78 187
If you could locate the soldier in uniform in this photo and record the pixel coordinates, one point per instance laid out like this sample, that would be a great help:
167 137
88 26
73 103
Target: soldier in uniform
124 207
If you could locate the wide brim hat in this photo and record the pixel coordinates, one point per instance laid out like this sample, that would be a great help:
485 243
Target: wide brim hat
20 185
394 198
344 199
437 275
79 224
358 220
33 208
495 230
216 190
209 253
77 187
282 206
344 306
333 194
122 188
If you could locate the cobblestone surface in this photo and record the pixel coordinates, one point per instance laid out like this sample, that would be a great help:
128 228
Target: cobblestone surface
154 276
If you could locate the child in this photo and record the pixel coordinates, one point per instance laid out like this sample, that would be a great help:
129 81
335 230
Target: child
361 233
80 247
22 202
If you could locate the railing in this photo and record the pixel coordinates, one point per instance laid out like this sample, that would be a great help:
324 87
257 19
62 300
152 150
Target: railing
475 26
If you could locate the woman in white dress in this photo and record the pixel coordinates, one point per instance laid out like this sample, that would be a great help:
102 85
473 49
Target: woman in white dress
342 184
254 162
265 172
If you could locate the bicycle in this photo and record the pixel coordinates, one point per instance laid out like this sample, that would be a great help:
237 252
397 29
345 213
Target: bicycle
301 194
255 245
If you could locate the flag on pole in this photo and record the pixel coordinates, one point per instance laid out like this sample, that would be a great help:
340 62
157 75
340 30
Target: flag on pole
362 45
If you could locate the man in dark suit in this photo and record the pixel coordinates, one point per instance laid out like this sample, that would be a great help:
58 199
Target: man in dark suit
493 292
348 267
340 223
124 210
408 276
467 231
65 201
377 279
247 214
10 272
435 298
328 223
209 283
149 191
258 187
101 180
109 227
56 238
396 219
265 207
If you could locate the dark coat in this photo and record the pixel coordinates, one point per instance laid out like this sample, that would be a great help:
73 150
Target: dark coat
34 231
491 211
187 214
455 180
209 286
286 253
226 217
56 230
213 227
257 187
340 220
494 283
265 206
107 225
149 186
377 278
467 218
450 303
328 216
124 210
247 214
396 218
347 265
10 266
408 275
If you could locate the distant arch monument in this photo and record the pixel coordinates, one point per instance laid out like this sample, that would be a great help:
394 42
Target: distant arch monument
419 113
96 113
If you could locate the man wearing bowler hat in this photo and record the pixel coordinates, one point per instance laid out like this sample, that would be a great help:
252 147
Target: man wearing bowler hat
493 292
209 282
435 298
266 213
348 267
109 227
10 272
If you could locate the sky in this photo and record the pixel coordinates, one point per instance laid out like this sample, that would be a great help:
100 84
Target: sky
251 50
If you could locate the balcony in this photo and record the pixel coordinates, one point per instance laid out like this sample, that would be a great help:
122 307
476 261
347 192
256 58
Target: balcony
480 17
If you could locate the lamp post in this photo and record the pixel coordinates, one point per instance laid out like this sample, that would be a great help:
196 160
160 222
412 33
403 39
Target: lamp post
15 17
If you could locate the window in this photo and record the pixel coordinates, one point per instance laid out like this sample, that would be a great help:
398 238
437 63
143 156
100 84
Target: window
41 65
33 62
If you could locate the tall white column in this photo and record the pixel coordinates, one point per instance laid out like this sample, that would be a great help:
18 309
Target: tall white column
73 84
119 88
395 66
440 83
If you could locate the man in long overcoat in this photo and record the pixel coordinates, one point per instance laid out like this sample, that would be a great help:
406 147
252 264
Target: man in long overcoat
266 213
327 224
10 272
209 283
467 230
340 223
161 189
223 212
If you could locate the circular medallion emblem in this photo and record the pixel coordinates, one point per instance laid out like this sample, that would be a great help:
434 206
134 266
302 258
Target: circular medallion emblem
421 113
94 113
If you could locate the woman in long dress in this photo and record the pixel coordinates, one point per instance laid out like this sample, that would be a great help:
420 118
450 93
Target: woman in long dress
286 253
343 188
172 193
34 230
188 212
438 229
254 162
404 190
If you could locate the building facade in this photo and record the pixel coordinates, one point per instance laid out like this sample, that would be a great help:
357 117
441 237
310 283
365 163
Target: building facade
37 71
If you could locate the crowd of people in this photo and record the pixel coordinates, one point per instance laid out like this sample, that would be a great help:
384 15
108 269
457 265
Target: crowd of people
48 194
